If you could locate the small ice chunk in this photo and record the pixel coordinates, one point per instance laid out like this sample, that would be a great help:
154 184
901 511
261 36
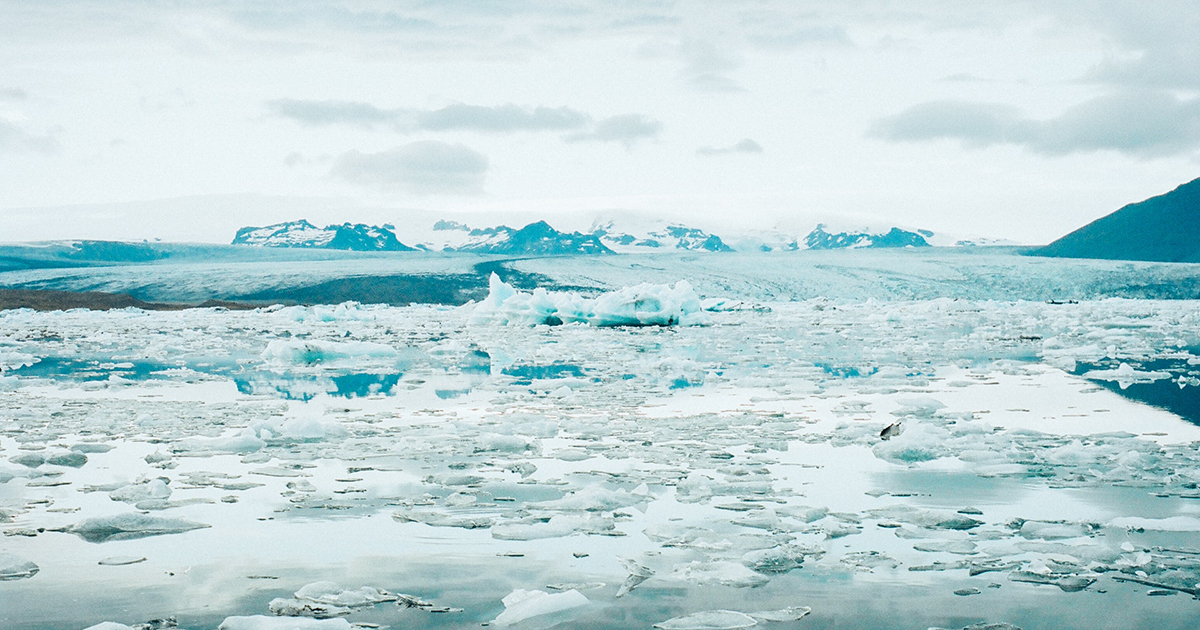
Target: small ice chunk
263 622
784 614
520 605
108 625
638 573
117 561
243 442
709 620
29 460
558 526
1054 531
310 352
72 459
14 567
723 572
129 526
141 491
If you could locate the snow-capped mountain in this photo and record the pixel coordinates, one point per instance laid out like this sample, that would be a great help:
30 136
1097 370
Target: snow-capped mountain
536 238
606 235
671 236
350 236
820 238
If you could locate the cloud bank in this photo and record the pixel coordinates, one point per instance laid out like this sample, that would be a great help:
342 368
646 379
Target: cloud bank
1143 124
506 118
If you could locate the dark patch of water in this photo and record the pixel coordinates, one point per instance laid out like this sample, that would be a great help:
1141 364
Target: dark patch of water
93 369
307 387
1181 399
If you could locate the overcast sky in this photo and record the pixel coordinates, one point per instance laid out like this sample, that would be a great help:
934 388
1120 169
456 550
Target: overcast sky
1020 120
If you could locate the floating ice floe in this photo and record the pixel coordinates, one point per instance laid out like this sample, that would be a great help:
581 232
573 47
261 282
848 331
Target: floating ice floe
722 572
129 526
244 441
262 622
709 620
641 305
14 567
731 619
521 605
120 561
332 593
1169 524
142 490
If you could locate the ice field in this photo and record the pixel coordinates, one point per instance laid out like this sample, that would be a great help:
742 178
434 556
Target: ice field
725 452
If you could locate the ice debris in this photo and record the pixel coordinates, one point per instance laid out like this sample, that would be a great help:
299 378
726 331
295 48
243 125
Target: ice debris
520 605
641 305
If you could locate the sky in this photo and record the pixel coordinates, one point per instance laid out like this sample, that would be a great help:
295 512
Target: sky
183 121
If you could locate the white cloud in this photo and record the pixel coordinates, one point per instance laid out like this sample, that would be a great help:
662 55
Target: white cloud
1138 123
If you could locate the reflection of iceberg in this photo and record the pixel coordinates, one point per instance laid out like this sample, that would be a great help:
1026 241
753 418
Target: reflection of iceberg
309 352
641 305
304 387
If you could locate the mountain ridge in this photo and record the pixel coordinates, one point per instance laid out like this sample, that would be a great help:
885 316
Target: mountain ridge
1163 228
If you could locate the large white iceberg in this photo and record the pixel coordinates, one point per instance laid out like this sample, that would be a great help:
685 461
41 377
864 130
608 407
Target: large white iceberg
640 305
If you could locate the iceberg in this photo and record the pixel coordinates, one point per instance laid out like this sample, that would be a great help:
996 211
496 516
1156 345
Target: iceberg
640 305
